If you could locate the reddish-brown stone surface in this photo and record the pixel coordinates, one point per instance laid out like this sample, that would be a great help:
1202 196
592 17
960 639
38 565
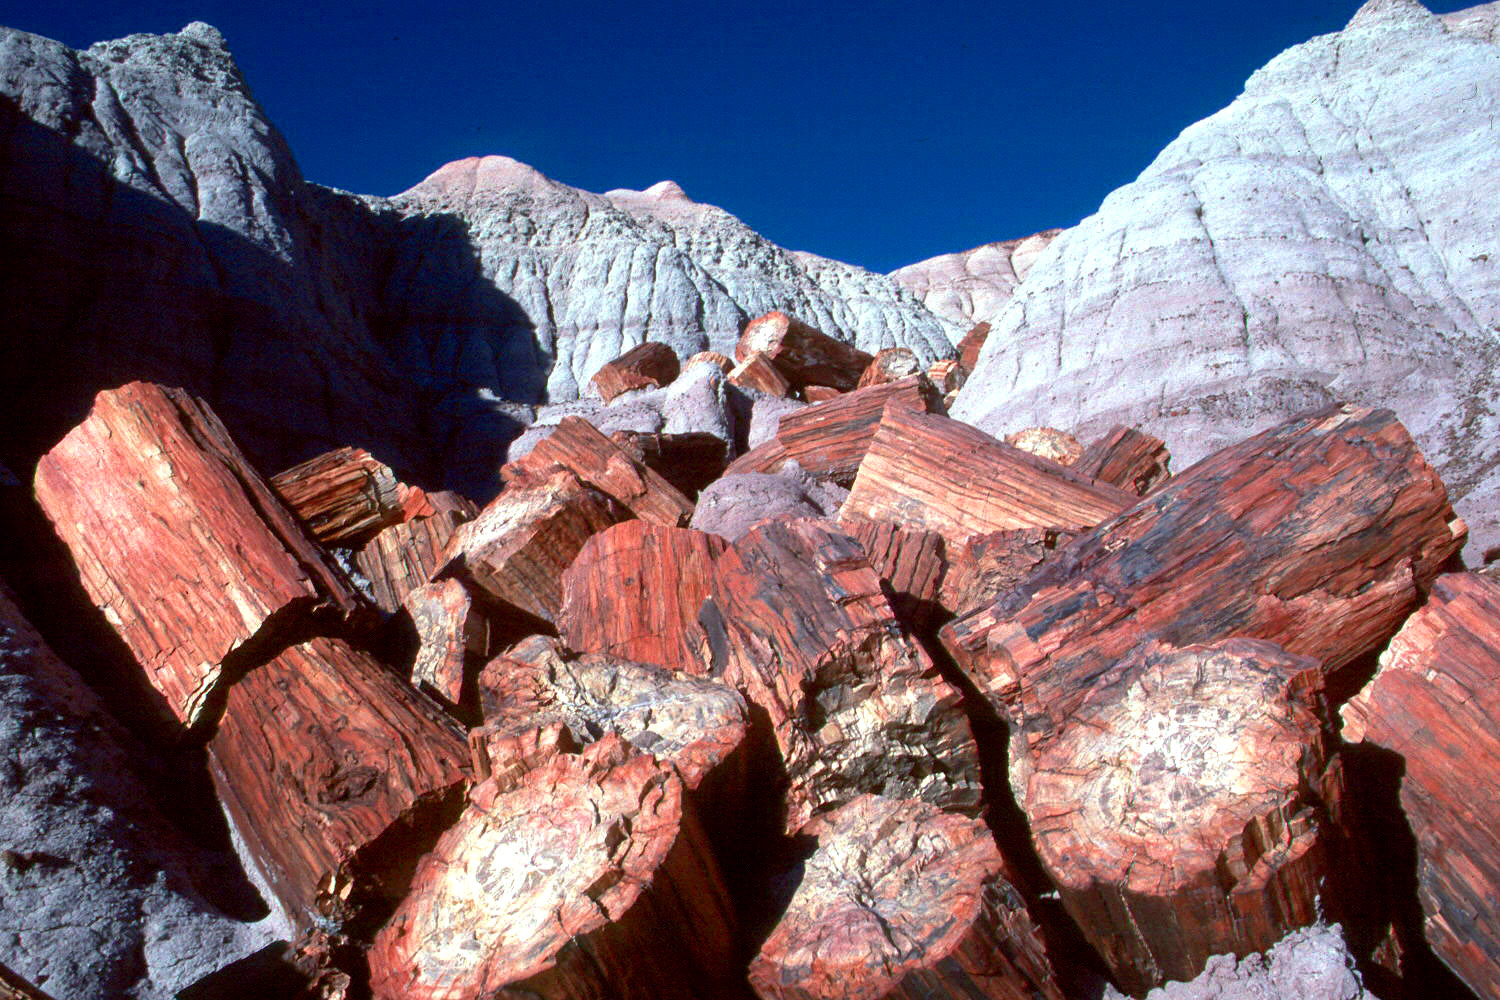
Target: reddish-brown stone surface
986 568
830 439
970 346
645 366
913 562
1436 701
333 771
820 393
405 556
451 633
890 364
181 544
722 362
1127 458
901 899
768 456
343 497
755 371
803 355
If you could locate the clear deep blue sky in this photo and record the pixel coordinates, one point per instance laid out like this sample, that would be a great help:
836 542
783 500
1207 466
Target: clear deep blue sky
874 132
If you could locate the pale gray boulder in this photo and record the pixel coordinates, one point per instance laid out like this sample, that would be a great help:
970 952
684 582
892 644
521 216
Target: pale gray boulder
734 504
1310 964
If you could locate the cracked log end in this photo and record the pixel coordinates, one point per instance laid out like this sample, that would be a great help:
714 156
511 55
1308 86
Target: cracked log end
757 372
404 556
803 355
343 497
1049 443
901 899
889 365
1127 458
645 366
830 439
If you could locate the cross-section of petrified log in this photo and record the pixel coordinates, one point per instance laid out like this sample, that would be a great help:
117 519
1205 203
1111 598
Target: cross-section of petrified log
805 356
1173 809
890 364
1436 701
1049 443
946 374
404 556
451 633
637 590
722 362
336 775
755 371
986 568
913 563
184 547
1319 535
583 450
930 472
515 551
343 496
830 439
688 461
642 367
901 899
1127 458
584 881
970 346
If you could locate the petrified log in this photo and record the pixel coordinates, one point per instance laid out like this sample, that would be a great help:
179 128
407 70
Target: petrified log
829 440
645 366
901 899
585 880
515 551
343 496
404 556
768 457
583 450
971 344
803 355
986 568
757 372
451 633
688 461
336 775
820 393
1319 535
1174 809
1049 443
947 375
890 364
723 363
913 563
1127 458
179 541
1436 701
930 472
13 987
636 591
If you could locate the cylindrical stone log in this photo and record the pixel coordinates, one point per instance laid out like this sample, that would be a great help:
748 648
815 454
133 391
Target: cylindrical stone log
1127 458
805 356
903 900
583 881
722 362
890 364
451 635
830 439
404 556
644 366
755 371
343 496
913 563
1049 443
988 567
971 344
820 393
1174 808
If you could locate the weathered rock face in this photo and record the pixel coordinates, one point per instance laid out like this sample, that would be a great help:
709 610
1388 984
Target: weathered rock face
973 286
1328 235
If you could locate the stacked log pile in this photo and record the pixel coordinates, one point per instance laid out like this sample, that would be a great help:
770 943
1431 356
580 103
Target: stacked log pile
703 768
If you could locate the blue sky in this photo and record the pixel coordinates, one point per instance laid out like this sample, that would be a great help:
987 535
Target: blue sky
875 132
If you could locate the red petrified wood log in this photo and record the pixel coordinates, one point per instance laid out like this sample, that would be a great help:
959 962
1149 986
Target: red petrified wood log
404 556
805 356
901 899
179 541
890 364
688 461
723 363
755 371
1127 458
1172 807
451 633
583 450
336 776
820 393
971 345
986 568
13 987
1436 701
1319 535
645 366
343 496
584 881
830 439
913 562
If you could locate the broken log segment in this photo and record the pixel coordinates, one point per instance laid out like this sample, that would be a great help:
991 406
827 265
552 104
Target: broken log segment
986 568
1320 535
1173 807
803 355
451 634
927 471
1127 458
1049 443
901 899
830 439
767 457
688 461
585 880
722 362
336 775
583 450
343 496
890 364
913 563
970 346
645 366
182 545
757 372
820 393
404 556
1436 701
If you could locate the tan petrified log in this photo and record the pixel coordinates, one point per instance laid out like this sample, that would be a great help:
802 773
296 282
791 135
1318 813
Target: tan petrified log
803 355
336 775
1049 443
451 633
586 880
636 591
1436 701
579 447
515 551
404 556
890 364
343 496
182 545
913 563
930 472
644 366
1319 535
947 375
1175 807
1127 458
987 567
755 371
903 900
830 439
970 346
688 461
722 362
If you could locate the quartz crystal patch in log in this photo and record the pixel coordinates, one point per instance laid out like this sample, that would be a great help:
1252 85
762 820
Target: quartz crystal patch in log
645 366
891 364
404 556
803 355
343 496
515 551
583 450
180 543
1172 807
1127 458
930 472
637 590
830 439
1319 535
337 776
901 899
583 881
757 372
1049 443
800 625
689 461
1436 701
450 631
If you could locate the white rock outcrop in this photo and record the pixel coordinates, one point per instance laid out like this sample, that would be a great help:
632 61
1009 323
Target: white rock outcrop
973 286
